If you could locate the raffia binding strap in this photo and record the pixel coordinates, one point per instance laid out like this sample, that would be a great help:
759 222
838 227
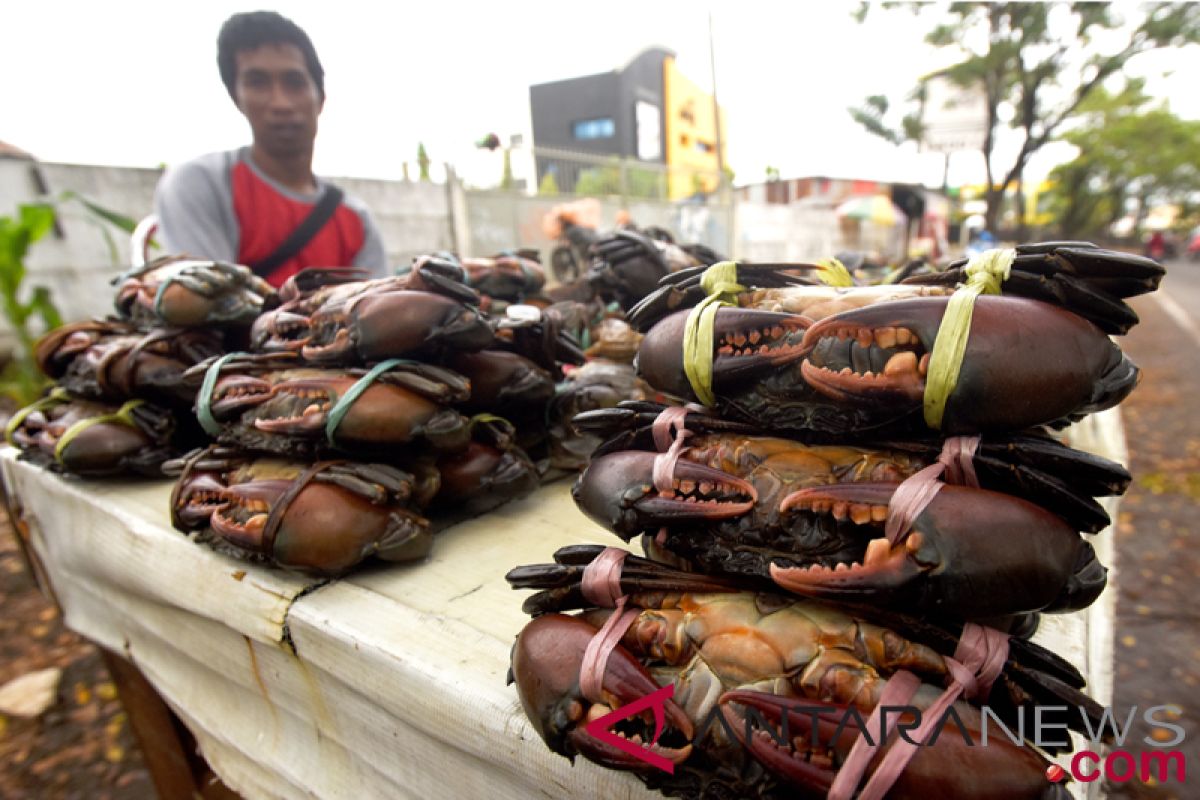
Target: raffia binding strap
720 283
670 451
977 663
130 354
123 416
342 407
204 397
602 586
832 272
985 272
918 490
275 518
57 396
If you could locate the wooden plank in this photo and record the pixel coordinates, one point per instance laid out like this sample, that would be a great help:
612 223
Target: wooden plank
154 727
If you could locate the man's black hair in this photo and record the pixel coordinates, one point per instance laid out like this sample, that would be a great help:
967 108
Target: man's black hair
253 29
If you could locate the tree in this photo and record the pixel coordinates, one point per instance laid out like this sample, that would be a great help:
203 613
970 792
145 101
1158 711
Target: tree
1039 58
1128 153
549 186
423 162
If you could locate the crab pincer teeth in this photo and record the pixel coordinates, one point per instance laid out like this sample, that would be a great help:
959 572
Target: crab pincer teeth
799 746
701 491
238 392
843 500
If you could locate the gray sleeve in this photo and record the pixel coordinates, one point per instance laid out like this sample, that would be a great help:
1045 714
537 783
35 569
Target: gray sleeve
372 257
194 205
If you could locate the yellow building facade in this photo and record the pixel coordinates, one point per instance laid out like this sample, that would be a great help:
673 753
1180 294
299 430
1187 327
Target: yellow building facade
690 135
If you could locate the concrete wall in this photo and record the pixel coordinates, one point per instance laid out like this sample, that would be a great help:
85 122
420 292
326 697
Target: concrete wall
414 218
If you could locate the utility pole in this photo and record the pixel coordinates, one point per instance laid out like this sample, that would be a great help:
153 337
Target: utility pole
712 65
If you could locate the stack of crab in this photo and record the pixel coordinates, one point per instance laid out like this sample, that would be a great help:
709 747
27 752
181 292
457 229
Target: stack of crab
121 405
860 508
627 265
368 415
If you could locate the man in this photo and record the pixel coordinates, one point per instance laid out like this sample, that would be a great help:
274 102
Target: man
261 205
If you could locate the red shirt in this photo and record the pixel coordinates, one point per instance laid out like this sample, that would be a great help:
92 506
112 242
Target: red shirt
267 217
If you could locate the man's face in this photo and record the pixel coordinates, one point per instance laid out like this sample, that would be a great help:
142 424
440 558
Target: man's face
278 97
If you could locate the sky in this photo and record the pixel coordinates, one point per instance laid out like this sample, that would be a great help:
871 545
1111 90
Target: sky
136 83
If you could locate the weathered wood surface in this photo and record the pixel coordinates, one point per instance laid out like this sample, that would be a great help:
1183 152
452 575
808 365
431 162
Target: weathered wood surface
390 683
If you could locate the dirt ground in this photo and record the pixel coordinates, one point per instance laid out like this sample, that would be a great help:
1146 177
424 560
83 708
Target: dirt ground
82 746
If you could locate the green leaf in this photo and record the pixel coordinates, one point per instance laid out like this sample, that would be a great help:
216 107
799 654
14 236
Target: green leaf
118 219
37 218
45 308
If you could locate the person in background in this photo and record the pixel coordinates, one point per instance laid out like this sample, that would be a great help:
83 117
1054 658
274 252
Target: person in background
261 205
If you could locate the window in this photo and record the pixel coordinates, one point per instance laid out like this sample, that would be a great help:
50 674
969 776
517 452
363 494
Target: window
649 131
594 128
704 147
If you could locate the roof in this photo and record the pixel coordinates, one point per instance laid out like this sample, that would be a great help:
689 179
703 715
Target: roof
12 151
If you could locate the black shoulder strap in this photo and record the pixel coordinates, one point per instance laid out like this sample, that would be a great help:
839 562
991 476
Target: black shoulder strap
322 210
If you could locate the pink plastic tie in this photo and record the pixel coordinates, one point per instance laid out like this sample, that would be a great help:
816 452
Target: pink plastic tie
978 660
602 578
672 417
602 585
595 657
663 472
918 490
898 691
958 454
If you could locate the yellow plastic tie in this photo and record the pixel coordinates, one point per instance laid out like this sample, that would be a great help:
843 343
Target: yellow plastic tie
832 272
483 419
720 283
985 274
123 415
57 395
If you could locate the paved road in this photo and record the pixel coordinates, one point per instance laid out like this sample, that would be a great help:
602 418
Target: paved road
1182 285
1158 563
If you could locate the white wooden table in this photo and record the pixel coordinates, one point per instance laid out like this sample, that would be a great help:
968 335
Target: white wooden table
389 683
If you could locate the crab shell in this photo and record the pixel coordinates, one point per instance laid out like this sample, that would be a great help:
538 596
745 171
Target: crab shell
175 290
278 410
338 518
113 447
112 360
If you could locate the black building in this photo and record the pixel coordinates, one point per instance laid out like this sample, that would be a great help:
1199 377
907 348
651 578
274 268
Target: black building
617 113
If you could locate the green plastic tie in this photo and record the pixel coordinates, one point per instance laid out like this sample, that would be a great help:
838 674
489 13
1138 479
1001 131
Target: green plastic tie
123 415
342 407
832 272
204 397
720 283
985 274
57 395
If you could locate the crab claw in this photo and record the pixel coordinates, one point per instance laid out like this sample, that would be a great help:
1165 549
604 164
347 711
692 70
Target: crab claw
617 490
746 344
279 330
971 553
546 660
233 394
195 501
806 742
1026 362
